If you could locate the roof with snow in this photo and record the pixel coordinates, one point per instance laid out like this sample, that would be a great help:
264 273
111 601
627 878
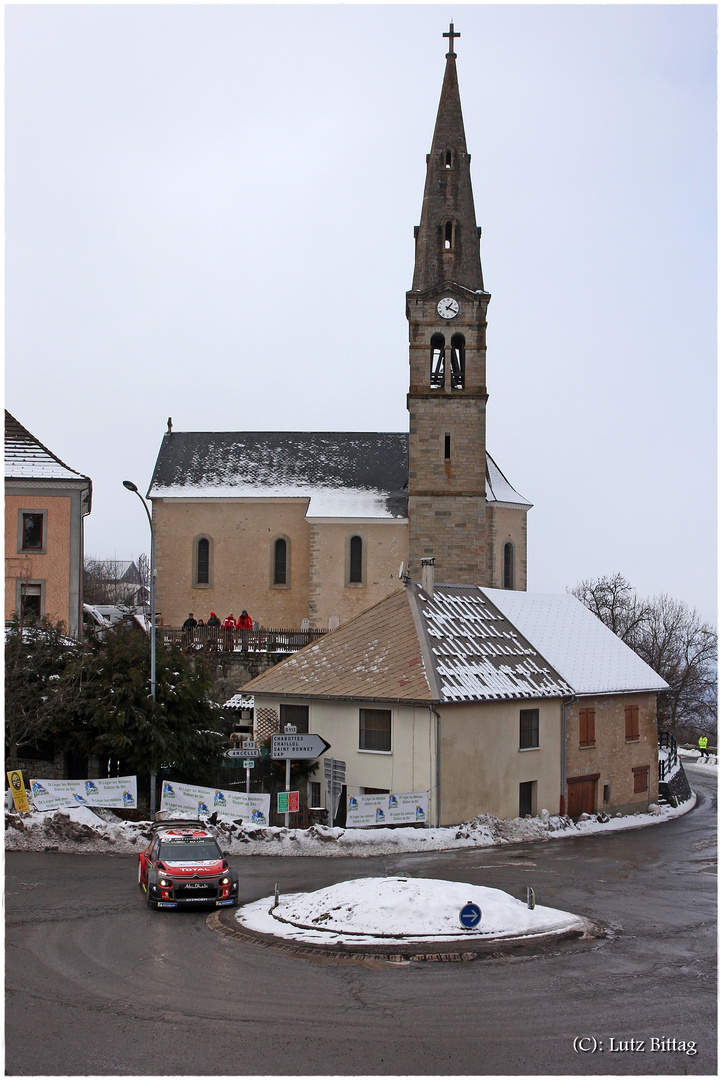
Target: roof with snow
583 650
27 459
456 647
341 474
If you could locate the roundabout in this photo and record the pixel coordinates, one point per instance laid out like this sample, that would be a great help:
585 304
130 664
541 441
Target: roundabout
402 918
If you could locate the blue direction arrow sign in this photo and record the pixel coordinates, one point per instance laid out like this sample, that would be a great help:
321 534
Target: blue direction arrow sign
470 916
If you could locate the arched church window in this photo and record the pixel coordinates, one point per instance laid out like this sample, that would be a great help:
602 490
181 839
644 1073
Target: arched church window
355 560
437 360
458 362
508 565
449 236
279 561
202 561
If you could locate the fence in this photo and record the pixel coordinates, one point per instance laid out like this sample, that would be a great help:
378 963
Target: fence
215 639
669 743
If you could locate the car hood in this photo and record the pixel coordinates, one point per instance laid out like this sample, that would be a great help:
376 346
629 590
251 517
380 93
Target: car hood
194 869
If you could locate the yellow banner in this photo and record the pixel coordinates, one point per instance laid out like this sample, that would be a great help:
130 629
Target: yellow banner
17 786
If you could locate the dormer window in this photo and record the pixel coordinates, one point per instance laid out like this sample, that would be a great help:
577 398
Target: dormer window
458 362
437 361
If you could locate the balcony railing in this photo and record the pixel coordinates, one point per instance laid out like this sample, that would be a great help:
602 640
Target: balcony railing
214 639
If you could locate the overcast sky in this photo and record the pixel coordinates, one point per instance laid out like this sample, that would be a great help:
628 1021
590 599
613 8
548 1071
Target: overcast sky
210 214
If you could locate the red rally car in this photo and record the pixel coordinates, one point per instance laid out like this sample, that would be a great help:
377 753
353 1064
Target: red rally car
184 867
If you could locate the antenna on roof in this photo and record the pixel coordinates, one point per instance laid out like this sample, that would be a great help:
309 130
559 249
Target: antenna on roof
403 576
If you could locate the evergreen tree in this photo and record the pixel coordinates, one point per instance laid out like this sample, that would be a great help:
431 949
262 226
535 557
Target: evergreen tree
116 719
37 653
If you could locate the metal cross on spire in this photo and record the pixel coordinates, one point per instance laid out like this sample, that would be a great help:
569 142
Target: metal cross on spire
451 35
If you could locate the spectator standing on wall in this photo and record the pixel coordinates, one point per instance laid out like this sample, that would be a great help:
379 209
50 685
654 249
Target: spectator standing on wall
190 626
245 622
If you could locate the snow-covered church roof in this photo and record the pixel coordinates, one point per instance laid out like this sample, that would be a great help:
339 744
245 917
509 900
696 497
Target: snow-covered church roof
342 474
27 459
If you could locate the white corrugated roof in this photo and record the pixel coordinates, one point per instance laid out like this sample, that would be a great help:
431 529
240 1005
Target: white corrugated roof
580 647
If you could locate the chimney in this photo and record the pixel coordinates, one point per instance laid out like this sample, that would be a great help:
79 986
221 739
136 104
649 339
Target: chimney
427 577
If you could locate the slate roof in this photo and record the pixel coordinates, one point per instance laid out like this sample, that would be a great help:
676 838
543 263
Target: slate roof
342 474
589 656
456 647
467 643
27 459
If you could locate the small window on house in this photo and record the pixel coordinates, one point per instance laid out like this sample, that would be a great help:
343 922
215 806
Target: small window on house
458 362
447 446
31 601
508 565
203 561
448 236
374 729
314 793
527 798
528 729
355 562
641 779
586 727
279 562
32 532
297 715
606 793
437 360
631 723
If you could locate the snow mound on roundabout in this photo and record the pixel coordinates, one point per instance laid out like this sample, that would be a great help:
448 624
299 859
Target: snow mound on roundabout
393 908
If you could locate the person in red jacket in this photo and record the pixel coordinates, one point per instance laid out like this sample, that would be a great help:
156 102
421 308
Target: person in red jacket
245 622
229 623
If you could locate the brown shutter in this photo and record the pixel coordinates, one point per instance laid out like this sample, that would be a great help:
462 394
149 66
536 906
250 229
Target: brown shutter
586 727
631 722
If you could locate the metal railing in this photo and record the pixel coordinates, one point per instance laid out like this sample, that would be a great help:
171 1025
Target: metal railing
217 639
669 743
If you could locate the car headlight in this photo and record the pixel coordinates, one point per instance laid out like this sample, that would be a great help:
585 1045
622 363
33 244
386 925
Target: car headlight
225 880
165 883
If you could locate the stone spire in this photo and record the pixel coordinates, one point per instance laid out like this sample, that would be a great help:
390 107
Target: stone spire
447 239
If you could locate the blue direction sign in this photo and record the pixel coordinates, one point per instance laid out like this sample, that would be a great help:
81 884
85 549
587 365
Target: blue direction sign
470 916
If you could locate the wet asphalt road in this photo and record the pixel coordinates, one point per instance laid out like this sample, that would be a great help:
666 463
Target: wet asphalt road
98 984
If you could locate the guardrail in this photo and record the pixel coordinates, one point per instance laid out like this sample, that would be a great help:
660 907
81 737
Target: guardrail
215 639
669 743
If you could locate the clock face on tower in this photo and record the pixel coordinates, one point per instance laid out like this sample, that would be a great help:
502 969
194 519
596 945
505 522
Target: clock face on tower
448 308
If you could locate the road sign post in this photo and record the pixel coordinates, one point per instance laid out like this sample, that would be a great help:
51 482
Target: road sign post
294 747
335 772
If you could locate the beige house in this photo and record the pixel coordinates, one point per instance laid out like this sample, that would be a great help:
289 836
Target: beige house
315 526
46 503
440 689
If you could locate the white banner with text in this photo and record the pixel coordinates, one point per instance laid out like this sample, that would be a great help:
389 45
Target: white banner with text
390 809
117 791
203 801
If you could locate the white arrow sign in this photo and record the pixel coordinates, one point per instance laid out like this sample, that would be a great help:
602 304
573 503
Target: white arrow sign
297 747
243 753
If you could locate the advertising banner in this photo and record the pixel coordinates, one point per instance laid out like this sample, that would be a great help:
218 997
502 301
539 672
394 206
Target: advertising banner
117 791
188 800
391 809
20 795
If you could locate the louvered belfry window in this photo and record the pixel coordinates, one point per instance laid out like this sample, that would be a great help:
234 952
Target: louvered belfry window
355 570
203 562
279 562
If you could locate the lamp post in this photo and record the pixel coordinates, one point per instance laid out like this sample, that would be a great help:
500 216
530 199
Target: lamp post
131 487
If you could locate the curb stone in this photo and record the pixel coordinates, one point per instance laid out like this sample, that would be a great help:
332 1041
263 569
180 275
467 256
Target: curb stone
225 922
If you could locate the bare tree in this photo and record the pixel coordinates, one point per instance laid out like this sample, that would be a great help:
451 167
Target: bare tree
672 639
111 581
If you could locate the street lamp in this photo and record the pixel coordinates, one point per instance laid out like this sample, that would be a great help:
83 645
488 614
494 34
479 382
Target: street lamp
131 487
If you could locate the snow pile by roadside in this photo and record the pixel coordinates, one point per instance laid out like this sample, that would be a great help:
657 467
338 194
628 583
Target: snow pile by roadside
80 829
372 910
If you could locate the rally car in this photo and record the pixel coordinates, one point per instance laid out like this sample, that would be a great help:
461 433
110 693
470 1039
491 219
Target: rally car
184 867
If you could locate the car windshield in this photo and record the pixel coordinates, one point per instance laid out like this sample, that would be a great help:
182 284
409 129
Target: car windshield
180 851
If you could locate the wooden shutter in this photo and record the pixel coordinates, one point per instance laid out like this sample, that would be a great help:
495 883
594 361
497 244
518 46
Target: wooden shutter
631 722
586 727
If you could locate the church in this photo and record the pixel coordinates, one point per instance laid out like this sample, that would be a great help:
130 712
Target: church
312 528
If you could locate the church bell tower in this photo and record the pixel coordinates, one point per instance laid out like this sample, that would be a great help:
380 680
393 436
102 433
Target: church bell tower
446 309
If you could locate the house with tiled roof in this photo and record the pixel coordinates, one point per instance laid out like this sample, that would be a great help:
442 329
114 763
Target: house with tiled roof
312 527
489 701
46 503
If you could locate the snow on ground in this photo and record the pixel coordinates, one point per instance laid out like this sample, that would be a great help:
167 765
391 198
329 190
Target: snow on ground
373 910
80 829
